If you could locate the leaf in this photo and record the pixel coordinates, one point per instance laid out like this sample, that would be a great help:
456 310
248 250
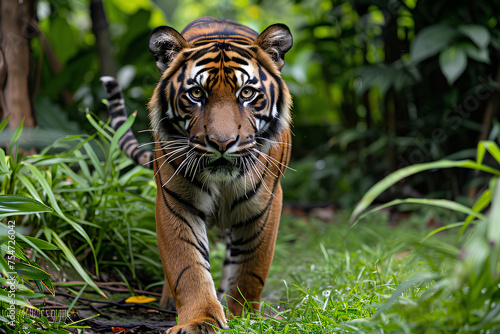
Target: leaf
492 148
48 285
453 63
15 140
95 160
41 244
443 228
30 271
493 227
76 298
4 123
4 169
48 191
118 134
4 297
4 230
416 280
441 203
398 175
96 126
74 262
473 52
478 34
12 247
430 41
19 204
480 204
140 299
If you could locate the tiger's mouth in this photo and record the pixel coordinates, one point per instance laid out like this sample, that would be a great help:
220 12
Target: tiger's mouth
221 163
222 166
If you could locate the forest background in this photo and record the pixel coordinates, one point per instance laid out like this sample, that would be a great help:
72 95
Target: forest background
381 90
377 85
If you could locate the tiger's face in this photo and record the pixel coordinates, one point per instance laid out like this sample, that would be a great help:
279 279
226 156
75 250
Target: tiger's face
221 102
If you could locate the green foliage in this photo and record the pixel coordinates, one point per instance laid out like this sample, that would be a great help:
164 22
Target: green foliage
399 84
102 205
463 287
17 270
370 70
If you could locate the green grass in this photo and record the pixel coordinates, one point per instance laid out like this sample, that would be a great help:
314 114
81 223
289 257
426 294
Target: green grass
372 279
325 278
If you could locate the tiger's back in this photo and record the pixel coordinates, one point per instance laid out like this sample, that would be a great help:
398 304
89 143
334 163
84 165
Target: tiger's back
220 115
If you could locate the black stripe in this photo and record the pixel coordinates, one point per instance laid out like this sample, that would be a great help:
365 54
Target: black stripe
116 96
241 241
201 249
261 281
247 196
204 253
110 85
239 60
189 206
251 219
127 143
134 154
262 74
179 278
235 252
208 60
118 124
263 117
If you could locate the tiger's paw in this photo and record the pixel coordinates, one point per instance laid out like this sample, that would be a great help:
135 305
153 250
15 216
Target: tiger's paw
199 326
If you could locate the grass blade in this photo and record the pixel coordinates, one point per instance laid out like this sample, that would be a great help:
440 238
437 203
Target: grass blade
11 205
398 175
480 204
74 262
53 202
493 228
441 203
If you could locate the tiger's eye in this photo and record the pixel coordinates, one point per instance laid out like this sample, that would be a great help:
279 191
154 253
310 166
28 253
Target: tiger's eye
247 93
196 93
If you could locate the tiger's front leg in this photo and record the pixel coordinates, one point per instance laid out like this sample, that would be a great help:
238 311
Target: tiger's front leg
183 247
250 249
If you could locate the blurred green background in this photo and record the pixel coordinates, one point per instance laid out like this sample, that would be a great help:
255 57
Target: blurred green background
377 85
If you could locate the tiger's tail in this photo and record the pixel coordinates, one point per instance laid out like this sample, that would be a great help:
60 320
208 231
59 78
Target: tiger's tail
118 115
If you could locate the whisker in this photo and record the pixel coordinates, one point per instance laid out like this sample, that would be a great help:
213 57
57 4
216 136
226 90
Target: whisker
266 155
171 146
250 173
274 141
265 167
196 167
179 168
271 162
169 157
261 179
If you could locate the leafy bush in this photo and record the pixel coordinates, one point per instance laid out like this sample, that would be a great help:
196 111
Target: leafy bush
17 269
103 205
459 292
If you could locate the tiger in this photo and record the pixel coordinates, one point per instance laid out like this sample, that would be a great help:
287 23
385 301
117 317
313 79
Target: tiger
220 116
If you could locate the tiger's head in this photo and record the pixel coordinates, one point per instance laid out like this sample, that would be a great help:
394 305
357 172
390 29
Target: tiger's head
221 101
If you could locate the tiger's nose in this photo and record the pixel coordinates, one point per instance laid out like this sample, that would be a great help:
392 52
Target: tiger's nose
221 144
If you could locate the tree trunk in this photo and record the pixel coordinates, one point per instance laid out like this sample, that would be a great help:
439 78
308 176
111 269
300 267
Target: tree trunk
16 31
100 27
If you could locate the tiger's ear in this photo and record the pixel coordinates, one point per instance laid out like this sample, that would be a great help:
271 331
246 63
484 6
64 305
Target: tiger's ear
276 40
165 43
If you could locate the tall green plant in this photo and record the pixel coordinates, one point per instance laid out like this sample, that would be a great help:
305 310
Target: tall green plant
17 270
462 289
102 205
